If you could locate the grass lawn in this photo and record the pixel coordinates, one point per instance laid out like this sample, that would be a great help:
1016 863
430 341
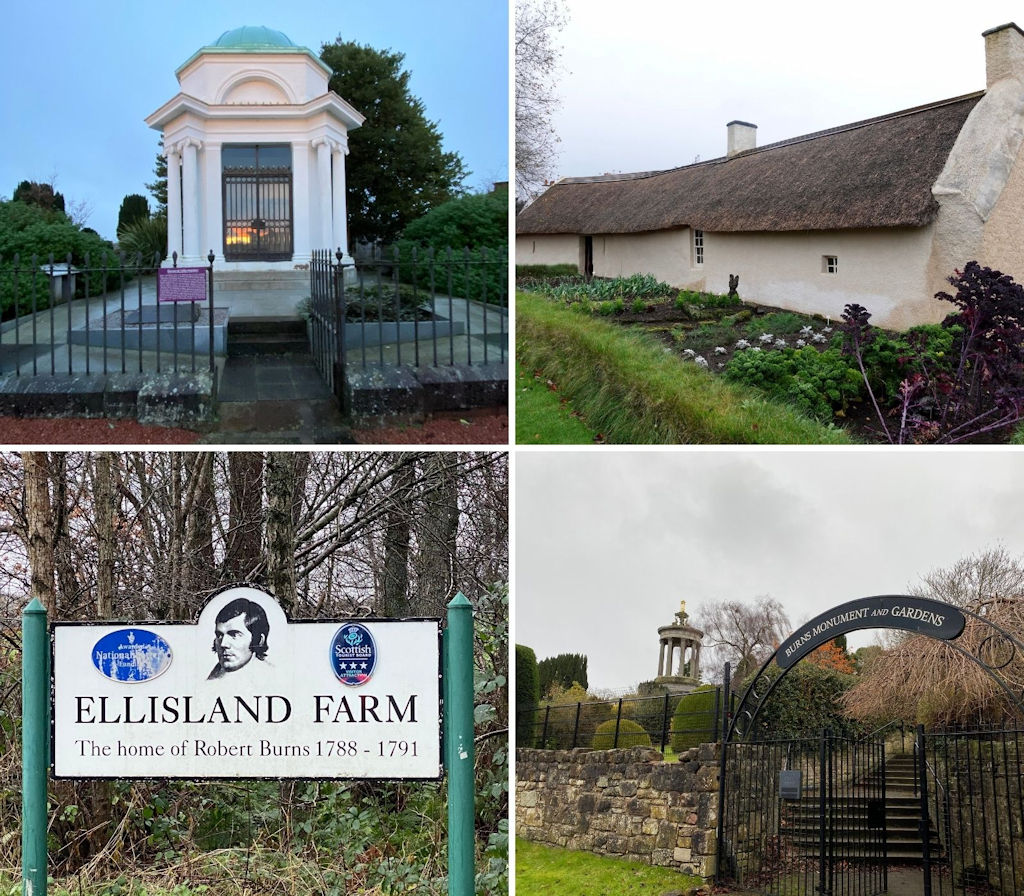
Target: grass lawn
549 871
544 416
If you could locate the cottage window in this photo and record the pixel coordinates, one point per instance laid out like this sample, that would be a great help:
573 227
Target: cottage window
830 264
698 248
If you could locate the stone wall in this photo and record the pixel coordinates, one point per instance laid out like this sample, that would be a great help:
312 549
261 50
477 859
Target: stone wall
625 803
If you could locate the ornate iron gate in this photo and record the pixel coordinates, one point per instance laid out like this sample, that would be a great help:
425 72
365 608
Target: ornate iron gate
805 816
257 186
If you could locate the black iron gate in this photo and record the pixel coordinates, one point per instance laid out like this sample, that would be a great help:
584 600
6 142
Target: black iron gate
805 816
257 184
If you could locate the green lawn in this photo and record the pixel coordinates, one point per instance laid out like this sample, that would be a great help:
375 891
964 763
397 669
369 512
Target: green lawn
544 416
549 871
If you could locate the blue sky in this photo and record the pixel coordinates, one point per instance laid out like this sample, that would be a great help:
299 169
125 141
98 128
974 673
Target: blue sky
79 77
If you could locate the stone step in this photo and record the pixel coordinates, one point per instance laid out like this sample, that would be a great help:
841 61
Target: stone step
267 336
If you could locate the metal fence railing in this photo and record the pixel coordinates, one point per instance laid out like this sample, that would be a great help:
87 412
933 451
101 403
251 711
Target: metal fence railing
100 317
675 722
409 307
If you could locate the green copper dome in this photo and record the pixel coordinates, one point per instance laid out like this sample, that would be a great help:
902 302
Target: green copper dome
252 37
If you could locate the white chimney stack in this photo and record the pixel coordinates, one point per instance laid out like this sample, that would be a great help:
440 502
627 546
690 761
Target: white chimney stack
742 136
1004 53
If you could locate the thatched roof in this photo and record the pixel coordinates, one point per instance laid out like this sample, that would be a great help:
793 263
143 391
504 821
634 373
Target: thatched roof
874 173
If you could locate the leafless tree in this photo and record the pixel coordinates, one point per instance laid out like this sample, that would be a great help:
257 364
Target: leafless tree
39 531
993 571
743 634
536 69
150 535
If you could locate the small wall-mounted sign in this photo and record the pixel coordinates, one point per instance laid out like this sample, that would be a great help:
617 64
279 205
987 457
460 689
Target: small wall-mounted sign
790 784
181 284
243 692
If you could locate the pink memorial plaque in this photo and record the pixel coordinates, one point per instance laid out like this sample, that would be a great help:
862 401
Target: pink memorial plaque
181 285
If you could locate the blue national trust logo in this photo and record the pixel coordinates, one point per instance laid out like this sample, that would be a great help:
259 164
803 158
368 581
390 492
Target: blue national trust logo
353 654
131 654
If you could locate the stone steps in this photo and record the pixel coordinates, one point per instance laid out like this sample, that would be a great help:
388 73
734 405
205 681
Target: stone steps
267 336
849 831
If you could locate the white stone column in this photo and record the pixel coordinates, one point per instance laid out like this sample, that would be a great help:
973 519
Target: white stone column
661 660
338 201
190 201
323 191
212 203
173 155
301 195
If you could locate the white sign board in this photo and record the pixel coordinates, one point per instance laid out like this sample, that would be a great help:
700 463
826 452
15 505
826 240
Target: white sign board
244 693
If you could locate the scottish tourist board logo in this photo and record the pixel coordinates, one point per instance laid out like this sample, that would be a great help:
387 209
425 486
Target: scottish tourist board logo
353 654
131 654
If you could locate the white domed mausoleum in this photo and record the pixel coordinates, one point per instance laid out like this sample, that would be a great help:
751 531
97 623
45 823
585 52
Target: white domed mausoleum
255 146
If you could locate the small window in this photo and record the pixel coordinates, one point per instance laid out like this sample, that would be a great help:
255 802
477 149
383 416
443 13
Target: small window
698 248
830 264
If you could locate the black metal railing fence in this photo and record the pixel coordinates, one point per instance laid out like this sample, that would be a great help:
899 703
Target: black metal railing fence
972 795
667 722
408 307
97 317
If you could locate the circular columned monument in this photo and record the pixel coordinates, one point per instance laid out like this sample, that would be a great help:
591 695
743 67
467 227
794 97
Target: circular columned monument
255 145
679 657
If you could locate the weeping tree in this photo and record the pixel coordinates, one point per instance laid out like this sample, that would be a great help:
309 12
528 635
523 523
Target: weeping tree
917 679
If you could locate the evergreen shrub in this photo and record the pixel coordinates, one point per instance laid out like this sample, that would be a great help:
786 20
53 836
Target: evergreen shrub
631 734
527 695
694 719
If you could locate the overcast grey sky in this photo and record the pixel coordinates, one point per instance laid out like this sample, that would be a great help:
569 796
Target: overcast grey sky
651 84
79 77
608 542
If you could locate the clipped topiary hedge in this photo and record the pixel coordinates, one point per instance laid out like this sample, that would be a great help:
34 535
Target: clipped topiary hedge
631 734
527 695
693 722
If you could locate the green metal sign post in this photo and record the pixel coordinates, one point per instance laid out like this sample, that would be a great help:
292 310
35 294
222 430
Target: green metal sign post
458 745
35 705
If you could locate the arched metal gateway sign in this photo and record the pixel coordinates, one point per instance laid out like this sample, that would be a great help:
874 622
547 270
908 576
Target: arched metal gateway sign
920 615
828 814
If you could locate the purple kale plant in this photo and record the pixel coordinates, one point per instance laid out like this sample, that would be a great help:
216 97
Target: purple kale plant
980 388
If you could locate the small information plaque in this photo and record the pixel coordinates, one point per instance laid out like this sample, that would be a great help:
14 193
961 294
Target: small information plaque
181 285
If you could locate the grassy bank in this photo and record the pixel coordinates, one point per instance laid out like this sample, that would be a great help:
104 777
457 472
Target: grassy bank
549 871
544 417
633 392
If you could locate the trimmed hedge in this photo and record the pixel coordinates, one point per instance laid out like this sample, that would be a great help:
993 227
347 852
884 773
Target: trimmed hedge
694 719
527 695
631 734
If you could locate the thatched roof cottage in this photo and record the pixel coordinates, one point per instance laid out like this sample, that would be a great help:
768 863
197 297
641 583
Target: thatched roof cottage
878 212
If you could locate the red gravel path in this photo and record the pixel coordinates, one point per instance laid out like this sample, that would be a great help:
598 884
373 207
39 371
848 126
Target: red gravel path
487 426
477 427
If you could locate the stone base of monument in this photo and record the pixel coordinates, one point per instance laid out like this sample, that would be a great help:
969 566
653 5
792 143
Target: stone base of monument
182 328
